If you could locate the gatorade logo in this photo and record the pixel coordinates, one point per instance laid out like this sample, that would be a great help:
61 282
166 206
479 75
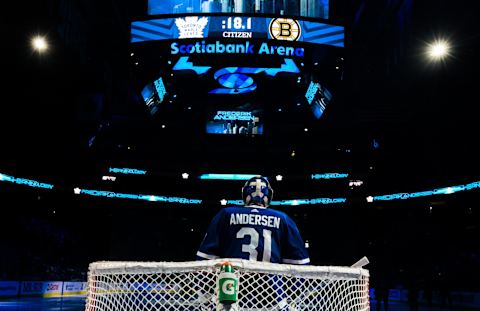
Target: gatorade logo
285 29
228 287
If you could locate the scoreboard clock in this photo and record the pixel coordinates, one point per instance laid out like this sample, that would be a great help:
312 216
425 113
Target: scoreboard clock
237 23
237 27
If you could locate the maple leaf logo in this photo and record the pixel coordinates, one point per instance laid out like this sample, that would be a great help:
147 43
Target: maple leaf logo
191 27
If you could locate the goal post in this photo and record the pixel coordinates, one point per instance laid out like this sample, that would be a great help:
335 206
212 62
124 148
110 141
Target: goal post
192 285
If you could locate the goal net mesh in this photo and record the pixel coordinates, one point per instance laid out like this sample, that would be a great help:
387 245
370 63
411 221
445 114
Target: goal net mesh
114 286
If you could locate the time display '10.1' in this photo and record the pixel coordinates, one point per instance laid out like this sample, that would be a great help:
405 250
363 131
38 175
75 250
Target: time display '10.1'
237 23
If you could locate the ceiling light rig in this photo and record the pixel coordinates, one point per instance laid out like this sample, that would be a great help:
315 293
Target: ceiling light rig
438 50
39 44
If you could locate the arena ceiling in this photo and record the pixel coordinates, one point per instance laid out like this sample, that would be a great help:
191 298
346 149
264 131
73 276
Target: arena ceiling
393 116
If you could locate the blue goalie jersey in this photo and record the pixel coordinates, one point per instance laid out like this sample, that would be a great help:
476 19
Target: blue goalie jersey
253 233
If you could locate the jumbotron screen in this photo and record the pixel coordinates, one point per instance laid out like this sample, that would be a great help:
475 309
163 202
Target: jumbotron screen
235 119
301 8
153 94
238 71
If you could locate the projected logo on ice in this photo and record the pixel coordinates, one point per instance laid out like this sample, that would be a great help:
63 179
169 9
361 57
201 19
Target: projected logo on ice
236 80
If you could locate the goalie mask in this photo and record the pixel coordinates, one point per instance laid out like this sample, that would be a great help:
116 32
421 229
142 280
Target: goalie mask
257 191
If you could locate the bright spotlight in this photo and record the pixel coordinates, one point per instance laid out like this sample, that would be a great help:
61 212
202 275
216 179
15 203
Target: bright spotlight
39 44
438 50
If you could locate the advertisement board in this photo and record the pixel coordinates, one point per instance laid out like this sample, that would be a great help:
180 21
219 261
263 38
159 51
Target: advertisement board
44 289
9 288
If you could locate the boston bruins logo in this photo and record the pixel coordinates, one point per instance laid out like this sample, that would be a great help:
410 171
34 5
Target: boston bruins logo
285 29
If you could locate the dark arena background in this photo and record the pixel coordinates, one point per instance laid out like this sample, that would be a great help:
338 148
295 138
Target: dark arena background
140 120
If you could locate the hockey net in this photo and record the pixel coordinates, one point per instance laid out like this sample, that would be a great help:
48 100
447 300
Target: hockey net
114 286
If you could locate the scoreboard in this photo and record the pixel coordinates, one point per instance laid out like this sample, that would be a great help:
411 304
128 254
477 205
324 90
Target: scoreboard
237 27
265 61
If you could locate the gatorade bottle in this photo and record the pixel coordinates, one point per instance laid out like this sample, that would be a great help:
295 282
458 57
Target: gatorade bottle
227 286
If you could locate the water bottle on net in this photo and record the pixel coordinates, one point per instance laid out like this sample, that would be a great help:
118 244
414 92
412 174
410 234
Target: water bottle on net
227 288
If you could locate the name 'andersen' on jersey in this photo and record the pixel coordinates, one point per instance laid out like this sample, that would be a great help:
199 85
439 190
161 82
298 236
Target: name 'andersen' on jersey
253 233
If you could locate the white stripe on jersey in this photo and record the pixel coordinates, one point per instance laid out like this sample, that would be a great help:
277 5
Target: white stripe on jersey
206 256
296 262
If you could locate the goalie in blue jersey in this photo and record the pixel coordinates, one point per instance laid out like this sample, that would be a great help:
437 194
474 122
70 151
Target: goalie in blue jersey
254 232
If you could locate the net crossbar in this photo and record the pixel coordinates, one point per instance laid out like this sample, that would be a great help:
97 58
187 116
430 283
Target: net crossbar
169 286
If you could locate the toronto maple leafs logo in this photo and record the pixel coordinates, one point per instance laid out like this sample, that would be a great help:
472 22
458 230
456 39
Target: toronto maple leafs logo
191 27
